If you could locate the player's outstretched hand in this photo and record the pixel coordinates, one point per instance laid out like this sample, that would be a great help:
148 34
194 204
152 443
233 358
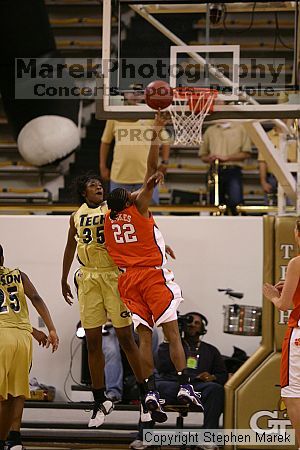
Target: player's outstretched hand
161 119
52 340
66 292
40 336
157 177
170 252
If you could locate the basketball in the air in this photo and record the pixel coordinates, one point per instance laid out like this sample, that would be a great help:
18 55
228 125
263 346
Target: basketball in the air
158 95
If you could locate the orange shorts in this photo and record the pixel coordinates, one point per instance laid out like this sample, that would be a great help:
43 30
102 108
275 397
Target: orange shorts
150 294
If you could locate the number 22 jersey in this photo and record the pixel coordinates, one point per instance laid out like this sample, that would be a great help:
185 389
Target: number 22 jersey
133 240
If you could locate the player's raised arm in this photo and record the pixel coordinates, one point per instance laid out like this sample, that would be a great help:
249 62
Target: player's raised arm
67 261
153 155
152 177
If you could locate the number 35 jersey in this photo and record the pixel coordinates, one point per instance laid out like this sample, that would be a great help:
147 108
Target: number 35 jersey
13 304
133 240
91 249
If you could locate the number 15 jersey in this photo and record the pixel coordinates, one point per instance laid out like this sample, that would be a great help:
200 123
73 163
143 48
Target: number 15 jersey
91 249
133 240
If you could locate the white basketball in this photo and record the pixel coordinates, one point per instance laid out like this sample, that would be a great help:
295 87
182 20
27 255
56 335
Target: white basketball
47 138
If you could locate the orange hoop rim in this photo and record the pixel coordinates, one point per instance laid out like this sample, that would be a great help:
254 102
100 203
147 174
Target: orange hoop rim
196 94
194 91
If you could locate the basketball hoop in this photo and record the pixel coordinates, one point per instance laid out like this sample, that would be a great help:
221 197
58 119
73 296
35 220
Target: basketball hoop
188 110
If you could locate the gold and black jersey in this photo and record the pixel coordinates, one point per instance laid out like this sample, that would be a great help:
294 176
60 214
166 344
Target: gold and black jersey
13 304
91 249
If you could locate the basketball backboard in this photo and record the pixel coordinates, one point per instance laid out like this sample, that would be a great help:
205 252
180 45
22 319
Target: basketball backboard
236 48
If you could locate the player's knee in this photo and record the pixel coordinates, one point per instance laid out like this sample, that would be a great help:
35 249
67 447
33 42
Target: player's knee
145 334
146 344
172 335
126 341
93 345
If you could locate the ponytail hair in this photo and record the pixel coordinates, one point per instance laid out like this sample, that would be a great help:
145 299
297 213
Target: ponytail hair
113 214
116 201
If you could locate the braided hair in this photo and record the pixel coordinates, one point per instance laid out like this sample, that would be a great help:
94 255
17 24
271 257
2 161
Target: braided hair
116 201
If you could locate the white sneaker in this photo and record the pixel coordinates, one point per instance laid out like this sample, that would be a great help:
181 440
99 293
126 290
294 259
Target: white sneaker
145 416
137 444
187 396
100 410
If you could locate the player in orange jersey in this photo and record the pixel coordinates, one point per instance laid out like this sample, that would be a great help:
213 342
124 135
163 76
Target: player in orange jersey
147 288
286 295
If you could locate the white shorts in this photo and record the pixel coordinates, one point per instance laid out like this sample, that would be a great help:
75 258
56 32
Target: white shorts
290 364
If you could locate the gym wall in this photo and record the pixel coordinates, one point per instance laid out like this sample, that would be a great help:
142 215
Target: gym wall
211 253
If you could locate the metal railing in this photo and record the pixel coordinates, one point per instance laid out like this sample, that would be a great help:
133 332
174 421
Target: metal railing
31 209
163 209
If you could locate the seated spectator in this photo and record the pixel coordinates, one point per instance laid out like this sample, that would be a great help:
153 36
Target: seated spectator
207 371
267 178
206 367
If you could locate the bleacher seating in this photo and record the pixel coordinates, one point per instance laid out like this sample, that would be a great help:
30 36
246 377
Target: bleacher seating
36 195
77 29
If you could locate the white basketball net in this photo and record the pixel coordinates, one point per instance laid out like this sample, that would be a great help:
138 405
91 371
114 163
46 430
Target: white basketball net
188 111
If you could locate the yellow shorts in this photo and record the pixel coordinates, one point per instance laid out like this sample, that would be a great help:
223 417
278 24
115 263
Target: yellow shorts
15 362
99 298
